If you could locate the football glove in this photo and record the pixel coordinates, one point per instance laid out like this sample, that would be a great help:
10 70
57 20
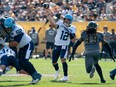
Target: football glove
71 56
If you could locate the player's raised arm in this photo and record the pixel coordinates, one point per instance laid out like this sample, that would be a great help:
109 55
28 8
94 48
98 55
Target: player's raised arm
49 15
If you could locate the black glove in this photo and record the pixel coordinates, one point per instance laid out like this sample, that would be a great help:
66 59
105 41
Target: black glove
113 59
71 56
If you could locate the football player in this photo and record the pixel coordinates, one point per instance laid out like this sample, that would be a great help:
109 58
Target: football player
91 39
65 33
7 58
18 38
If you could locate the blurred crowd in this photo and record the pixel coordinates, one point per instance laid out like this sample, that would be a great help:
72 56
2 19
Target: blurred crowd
82 10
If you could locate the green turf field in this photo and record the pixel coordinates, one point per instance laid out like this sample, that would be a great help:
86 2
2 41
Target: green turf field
77 75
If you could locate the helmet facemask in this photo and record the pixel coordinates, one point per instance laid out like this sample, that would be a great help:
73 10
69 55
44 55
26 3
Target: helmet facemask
91 28
67 22
8 30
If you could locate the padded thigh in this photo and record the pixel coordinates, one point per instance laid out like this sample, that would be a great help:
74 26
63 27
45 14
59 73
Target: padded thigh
90 60
88 63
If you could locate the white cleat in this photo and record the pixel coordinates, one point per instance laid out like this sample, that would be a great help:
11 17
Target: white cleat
56 74
92 72
34 81
64 79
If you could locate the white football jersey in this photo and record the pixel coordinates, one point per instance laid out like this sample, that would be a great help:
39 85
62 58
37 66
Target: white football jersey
62 36
18 34
6 51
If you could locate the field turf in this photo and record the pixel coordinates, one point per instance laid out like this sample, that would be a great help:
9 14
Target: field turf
77 75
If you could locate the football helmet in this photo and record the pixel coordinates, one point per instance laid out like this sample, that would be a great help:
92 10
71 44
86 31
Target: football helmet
70 18
9 22
92 24
91 27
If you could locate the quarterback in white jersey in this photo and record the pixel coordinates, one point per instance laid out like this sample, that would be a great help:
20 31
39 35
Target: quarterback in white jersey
62 36
20 40
65 33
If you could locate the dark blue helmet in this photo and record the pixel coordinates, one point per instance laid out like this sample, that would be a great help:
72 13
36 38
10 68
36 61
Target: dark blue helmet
92 25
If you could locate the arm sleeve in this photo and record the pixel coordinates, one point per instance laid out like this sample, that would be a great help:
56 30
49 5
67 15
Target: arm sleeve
75 46
72 35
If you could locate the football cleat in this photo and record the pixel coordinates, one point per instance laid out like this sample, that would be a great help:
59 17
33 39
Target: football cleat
92 72
103 81
64 79
36 80
112 76
56 74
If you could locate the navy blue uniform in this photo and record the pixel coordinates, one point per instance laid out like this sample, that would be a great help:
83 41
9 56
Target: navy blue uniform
25 48
7 58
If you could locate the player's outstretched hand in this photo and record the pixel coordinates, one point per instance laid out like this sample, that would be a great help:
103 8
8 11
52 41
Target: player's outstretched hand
113 58
71 56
